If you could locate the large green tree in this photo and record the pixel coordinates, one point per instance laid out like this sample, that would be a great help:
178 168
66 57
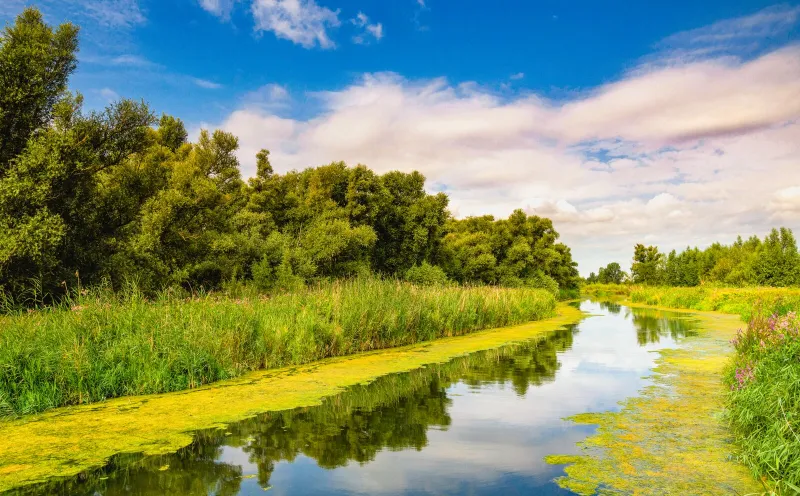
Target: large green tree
35 64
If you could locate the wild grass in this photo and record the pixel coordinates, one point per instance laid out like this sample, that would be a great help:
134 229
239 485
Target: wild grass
96 346
738 301
764 399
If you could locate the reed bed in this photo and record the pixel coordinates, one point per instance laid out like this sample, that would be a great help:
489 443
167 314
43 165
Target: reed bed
99 346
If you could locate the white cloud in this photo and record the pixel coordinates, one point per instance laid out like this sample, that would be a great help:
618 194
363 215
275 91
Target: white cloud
373 30
517 76
203 83
270 97
114 13
219 8
739 36
674 155
303 22
132 61
109 95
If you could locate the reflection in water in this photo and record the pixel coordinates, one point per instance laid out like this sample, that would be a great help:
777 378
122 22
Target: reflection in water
611 307
653 325
509 420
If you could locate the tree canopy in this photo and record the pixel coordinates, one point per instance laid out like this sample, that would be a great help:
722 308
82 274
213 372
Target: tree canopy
120 196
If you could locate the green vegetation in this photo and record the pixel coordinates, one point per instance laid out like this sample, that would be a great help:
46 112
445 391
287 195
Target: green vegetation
773 262
112 224
764 399
119 197
394 412
744 302
763 376
671 438
105 346
68 441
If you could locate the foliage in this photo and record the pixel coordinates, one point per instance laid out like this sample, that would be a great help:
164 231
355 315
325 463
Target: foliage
647 265
101 346
119 197
610 274
764 398
520 250
35 64
772 262
426 275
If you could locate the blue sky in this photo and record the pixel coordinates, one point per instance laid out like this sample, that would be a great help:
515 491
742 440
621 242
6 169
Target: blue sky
662 122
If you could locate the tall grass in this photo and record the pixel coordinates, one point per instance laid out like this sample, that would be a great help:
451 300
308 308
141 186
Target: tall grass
737 301
99 346
764 401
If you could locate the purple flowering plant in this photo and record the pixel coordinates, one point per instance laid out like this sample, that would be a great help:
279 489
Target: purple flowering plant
762 335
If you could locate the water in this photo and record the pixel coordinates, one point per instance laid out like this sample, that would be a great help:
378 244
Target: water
478 425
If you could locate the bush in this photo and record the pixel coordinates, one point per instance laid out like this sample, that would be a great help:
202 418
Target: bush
543 281
426 275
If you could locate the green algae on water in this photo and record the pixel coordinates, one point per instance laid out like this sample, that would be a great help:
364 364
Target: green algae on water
68 441
671 439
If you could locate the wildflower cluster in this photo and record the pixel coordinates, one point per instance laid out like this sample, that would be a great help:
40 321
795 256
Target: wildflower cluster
763 333
743 376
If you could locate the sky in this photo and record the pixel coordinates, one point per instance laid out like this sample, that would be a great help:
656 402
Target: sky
666 123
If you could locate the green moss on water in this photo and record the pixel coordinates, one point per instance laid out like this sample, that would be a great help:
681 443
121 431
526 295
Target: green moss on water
65 442
671 439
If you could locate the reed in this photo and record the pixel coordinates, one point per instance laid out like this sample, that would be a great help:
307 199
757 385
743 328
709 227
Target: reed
98 345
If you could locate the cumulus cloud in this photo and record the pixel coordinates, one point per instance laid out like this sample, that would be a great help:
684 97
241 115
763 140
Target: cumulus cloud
303 22
671 155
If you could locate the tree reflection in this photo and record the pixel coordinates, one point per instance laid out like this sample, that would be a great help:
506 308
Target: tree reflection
394 412
652 325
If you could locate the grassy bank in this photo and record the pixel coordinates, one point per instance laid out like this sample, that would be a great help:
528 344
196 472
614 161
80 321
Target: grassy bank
764 398
763 377
104 347
65 442
744 302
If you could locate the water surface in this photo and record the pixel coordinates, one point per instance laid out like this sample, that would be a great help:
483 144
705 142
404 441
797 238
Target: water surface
480 424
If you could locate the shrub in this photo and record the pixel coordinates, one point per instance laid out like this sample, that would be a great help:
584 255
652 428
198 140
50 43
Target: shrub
426 275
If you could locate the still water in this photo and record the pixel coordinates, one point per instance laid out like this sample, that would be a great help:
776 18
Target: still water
478 425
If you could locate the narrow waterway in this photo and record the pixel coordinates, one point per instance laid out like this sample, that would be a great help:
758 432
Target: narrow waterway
480 424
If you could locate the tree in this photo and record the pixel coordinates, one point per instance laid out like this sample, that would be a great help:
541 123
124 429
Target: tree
647 265
35 65
777 262
611 274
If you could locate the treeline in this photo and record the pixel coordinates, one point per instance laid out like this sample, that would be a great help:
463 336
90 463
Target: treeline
121 197
773 261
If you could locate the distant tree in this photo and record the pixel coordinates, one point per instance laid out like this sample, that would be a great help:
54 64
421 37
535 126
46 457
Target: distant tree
777 263
611 274
647 265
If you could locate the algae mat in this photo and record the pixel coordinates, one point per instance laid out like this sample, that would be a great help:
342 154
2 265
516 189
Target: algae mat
67 441
672 439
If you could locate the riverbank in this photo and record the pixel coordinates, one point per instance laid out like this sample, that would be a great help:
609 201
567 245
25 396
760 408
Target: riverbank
762 376
671 439
744 302
68 441
104 346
